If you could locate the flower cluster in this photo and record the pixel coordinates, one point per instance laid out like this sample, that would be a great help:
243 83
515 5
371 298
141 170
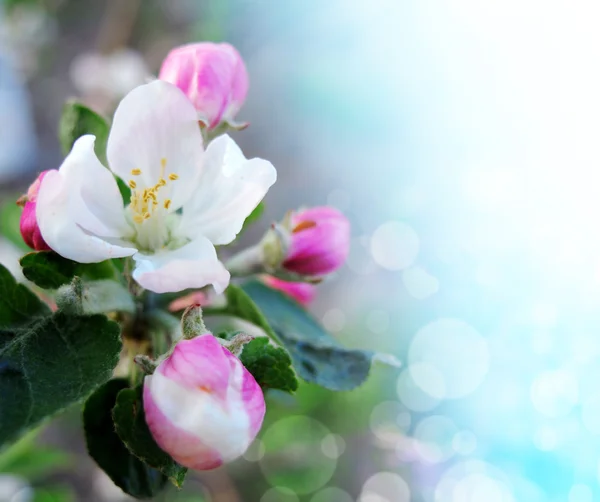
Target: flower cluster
188 192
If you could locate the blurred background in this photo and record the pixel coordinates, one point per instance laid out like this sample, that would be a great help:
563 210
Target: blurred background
461 137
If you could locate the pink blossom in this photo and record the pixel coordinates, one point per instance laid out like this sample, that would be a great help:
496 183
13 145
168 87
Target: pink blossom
202 406
302 292
29 224
319 242
213 76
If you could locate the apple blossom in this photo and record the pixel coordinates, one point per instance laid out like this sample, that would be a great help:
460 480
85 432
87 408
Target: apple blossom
184 201
213 76
201 405
28 225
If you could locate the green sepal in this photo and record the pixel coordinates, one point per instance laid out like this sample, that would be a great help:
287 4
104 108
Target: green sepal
270 366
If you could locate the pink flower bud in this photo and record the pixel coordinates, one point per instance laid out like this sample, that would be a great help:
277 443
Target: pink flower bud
28 224
302 292
202 406
319 241
213 76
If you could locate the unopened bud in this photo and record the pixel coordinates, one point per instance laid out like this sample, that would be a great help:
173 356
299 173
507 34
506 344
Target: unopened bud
202 406
30 231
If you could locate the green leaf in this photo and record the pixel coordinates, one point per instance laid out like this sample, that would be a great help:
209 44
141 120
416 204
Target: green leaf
49 270
54 494
18 305
76 121
317 356
10 216
125 191
270 366
253 217
240 305
128 472
47 362
130 424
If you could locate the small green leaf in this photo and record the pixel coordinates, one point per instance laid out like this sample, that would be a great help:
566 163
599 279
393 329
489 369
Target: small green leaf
128 472
130 424
10 216
253 217
270 366
54 494
47 361
49 270
125 191
317 357
76 121
240 305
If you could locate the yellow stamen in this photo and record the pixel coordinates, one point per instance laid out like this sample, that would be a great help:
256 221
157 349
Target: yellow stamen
146 215
132 184
138 218
167 203
161 182
136 172
163 162
173 177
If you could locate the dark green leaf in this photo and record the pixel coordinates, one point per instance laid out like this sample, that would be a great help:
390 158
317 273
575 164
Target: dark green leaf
127 471
49 270
76 121
18 305
130 424
47 362
270 366
317 357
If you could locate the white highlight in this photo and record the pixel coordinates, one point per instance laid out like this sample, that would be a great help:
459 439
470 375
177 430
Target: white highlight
448 359
394 245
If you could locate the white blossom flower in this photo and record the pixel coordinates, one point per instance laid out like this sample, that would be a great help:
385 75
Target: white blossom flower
184 201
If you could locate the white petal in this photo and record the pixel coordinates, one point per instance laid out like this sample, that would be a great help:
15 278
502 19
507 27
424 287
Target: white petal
156 124
59 214
230 188
194 265
95 196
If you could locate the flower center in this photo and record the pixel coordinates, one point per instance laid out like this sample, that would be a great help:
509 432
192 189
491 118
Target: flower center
150 208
